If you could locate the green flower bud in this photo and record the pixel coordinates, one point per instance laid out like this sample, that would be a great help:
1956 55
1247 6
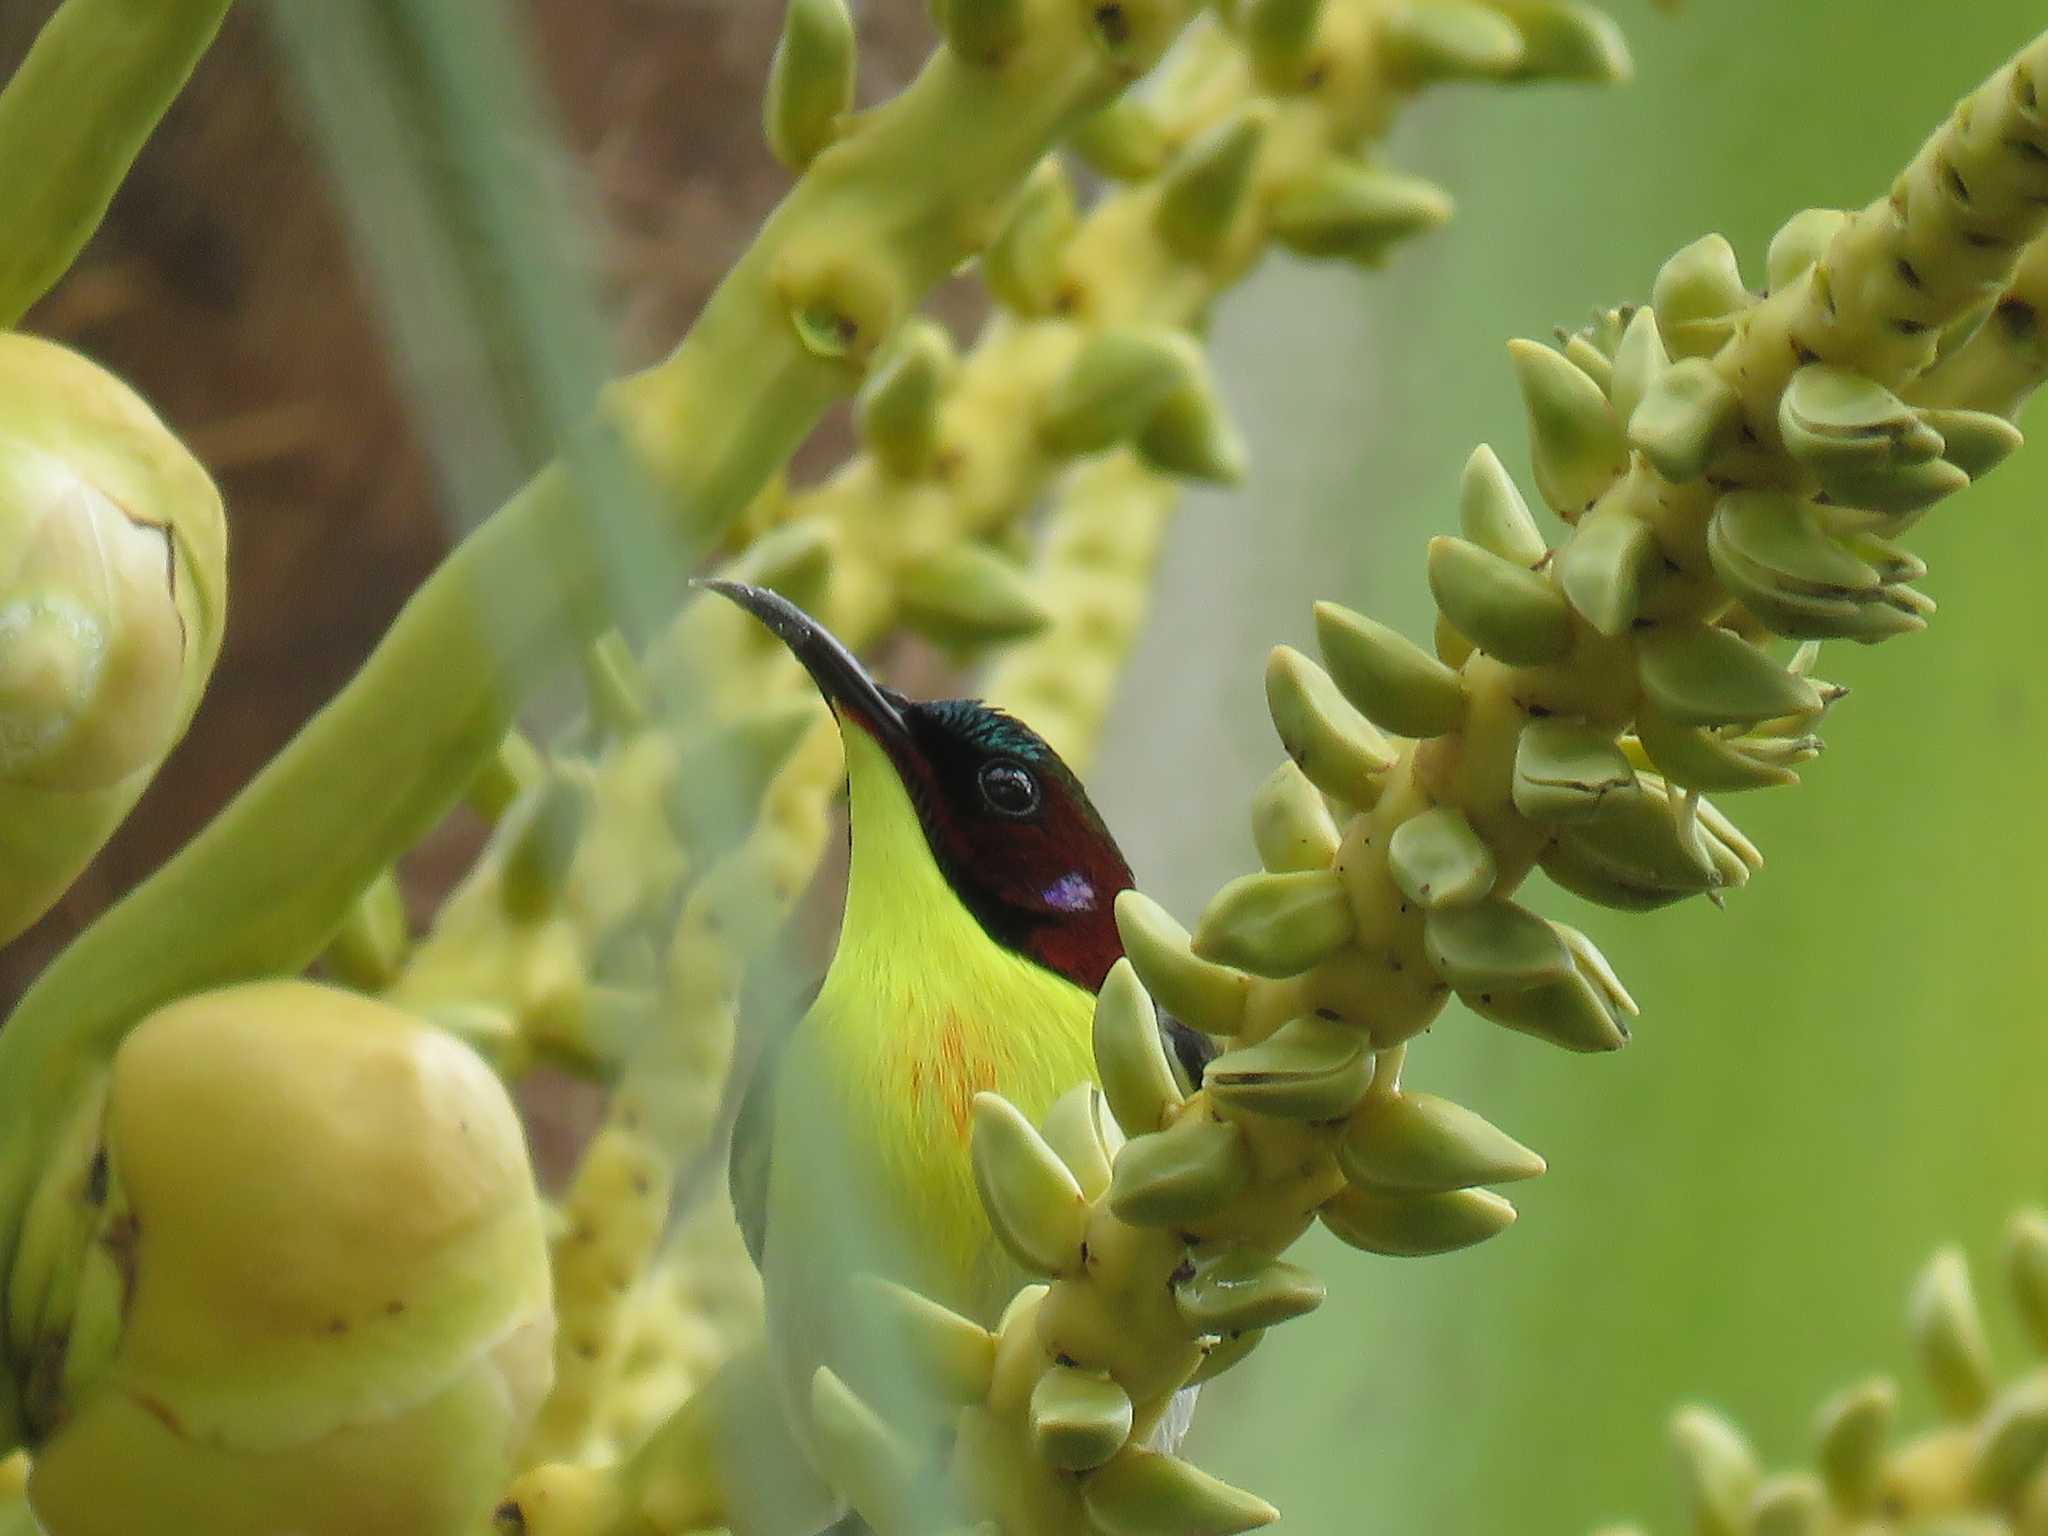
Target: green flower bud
1034 1204
1701 758
863 1458
1210 997
540 847
1123 141
1276 925
1307 1069
810 80
1852 1430
1594 969
1868 448
1336 746
1950 1335
1565 770
1396 683
2012 1443
1683 416
1409 1226
1439 861
1891 489
1568 40
1493 515
1576 443
1607 565
1023 265
1793 1505
1697 296
1976 442
1783 538
1574 1013
897 409
1142 1493
967 594
1136 1078
1079 1419
1509 611
1826 410
330 1307
113 586
1291 825
1080 1128
1799 243
1427 1145
1203 194
1455 41
943 1351
1111 390
1239 1290
1191 435
1180 1174
1494 946
1357 212
1639 361
1277 35
1719 1472
1581 352
1637 853
2026 1260
1701 675
1779 558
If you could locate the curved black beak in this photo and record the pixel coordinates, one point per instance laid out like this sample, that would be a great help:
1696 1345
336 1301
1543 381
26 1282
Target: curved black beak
845 683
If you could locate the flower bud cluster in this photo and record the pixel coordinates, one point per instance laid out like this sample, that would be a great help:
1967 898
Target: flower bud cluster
1731 468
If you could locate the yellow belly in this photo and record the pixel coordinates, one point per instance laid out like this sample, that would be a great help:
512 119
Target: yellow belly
871 1170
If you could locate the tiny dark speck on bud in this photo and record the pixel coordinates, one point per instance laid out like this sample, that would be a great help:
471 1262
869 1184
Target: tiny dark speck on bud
96 1178
508 1519
1113 24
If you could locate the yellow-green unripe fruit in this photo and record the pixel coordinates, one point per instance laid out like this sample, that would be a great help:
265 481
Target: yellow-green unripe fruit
334 1314
113 583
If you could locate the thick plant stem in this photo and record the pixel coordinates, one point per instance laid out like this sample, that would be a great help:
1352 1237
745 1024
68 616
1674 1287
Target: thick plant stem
72 120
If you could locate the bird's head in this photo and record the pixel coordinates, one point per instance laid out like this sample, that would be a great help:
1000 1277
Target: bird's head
1007 823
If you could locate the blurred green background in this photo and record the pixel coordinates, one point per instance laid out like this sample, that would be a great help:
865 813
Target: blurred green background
1844 1069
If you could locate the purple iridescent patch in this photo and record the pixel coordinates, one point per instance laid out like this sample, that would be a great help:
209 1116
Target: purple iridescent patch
1070 893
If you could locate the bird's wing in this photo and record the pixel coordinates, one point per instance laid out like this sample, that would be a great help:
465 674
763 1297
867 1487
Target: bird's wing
753 1132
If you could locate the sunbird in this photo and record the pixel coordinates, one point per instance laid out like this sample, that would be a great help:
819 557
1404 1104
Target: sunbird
979 924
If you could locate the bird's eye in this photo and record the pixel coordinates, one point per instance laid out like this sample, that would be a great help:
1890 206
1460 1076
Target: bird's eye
1008 788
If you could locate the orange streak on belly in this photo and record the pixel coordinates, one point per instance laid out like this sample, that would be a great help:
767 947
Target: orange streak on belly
960 1077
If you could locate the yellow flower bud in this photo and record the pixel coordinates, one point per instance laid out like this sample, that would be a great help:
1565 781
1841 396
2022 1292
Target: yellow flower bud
334 1314
112 587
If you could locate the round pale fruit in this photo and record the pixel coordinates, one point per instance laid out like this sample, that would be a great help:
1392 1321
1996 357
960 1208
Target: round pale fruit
336 1314
113 588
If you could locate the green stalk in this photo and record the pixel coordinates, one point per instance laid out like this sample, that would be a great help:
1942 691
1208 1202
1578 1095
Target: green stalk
908 192
72 120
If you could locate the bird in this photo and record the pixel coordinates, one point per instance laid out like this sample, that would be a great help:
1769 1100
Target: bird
979 924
